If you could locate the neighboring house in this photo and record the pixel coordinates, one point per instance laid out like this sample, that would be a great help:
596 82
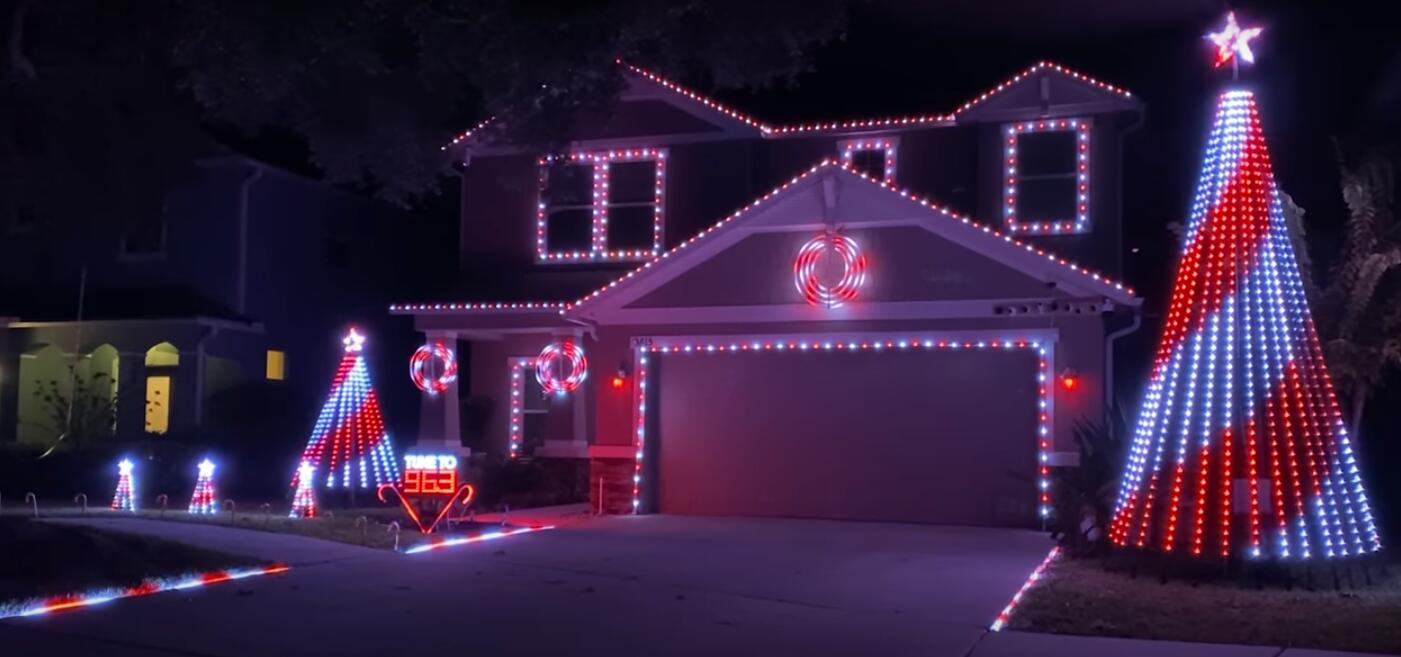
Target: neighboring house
734 372
243 283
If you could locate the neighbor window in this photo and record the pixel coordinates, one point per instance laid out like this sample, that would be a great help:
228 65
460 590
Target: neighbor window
874 158
157 404
1047 171
277 365
601 206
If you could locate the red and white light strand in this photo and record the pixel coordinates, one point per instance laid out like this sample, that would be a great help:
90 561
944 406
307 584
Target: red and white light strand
42 606
1110 286
1016 222
517 418
439 542
433 367
203 501
842 344
125 497
886 147
488 306
561 367
1031 580
816 255
600 203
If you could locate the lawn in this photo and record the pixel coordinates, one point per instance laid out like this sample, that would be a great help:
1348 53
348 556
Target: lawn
44 559
1079 596
341 525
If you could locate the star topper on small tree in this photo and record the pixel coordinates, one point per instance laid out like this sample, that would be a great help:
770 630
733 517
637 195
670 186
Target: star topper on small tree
1233 45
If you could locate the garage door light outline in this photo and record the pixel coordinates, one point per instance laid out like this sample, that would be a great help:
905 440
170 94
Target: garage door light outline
1043 386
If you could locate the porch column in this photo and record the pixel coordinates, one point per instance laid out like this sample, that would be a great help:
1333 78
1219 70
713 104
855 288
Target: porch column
439 416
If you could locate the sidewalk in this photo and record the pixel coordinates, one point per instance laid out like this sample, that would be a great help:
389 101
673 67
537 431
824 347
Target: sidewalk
1026 644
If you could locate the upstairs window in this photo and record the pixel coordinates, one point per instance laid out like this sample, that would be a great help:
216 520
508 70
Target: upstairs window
22 219
874 158
604 205
1047 170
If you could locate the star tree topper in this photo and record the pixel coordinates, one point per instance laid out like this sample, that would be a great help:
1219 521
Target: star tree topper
353 341
1233 43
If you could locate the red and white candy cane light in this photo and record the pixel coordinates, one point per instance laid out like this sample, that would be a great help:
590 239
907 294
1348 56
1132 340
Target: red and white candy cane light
433 367
561 367
814 264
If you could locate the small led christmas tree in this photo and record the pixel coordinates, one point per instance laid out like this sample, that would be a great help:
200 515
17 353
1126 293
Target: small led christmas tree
304 499
349 439
1240 448
125 497
202 501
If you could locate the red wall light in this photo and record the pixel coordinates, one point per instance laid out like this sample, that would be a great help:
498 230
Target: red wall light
1069 380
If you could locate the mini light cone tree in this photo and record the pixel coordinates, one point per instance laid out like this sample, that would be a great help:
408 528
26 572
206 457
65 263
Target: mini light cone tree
1239 448
304 497
124 499
202 500
349 442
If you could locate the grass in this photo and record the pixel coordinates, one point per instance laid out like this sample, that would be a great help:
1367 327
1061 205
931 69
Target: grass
44 559
1078 596
340 525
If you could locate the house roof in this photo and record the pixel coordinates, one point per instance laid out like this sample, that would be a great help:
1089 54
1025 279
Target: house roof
958 228
771 130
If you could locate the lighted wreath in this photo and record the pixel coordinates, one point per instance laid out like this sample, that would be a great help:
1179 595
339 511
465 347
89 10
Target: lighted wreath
814 257
561 367
421 367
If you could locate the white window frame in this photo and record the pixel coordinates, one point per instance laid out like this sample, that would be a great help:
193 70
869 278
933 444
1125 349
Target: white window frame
886 145
1080 223
598 248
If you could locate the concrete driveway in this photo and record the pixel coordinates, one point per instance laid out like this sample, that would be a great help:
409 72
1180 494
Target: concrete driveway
645 586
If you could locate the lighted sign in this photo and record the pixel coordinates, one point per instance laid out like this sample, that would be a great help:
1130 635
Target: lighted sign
430 474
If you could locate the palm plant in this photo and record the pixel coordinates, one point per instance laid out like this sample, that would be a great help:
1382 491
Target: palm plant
1359 306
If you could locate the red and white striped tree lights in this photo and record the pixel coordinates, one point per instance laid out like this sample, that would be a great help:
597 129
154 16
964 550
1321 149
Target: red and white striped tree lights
829 270
1239 400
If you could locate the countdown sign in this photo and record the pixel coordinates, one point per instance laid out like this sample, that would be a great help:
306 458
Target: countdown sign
430 474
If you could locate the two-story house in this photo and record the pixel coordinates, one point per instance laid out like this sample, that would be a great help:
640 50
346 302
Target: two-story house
240 285
894 319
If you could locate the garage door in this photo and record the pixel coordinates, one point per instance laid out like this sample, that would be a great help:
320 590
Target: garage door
929 436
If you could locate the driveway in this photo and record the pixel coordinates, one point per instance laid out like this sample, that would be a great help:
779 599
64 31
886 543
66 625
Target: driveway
652 585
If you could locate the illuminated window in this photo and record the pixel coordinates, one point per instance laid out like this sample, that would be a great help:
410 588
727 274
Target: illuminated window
873 157
277 365
157 404
1047 176
601 206
163 355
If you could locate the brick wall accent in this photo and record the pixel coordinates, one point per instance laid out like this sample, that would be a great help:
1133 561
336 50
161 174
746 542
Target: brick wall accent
616 475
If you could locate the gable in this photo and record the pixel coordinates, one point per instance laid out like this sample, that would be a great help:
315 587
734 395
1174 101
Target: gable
930 255
1048 90
906 263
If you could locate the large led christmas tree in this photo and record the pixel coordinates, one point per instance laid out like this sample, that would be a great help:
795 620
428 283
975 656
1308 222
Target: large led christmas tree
1240 448
349 442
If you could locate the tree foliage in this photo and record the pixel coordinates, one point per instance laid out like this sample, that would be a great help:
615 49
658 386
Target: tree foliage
370 89
1358 309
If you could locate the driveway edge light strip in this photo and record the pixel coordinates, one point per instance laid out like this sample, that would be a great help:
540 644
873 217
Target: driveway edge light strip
40 606
488 536
1031 580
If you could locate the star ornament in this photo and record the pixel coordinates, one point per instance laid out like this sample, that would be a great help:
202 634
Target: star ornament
353 341
1232 42
124 468
206 468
